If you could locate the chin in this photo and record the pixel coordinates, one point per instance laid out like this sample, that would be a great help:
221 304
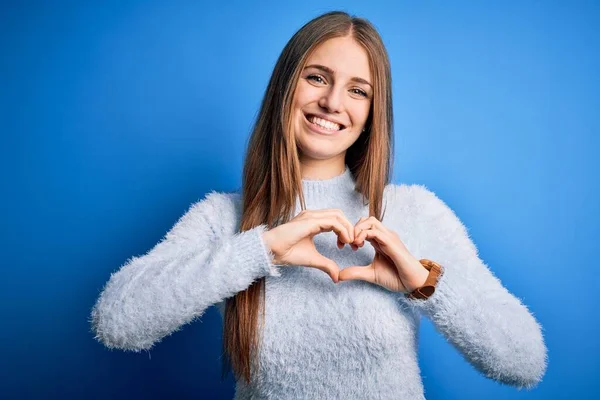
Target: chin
318 151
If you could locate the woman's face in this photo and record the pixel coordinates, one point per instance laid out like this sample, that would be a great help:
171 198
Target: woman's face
332 99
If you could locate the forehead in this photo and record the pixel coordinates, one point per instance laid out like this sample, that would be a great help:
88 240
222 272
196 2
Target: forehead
343 55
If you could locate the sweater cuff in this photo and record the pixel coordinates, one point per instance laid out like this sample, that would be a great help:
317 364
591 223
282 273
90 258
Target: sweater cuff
446 295
266 253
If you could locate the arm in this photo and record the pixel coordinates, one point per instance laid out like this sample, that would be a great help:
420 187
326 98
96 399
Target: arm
201 261
494 331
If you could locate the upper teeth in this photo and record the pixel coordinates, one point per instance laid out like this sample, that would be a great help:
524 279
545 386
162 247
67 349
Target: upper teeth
324 123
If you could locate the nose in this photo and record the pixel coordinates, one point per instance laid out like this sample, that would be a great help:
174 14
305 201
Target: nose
332 100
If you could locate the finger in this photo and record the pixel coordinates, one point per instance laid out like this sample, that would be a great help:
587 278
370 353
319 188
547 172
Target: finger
345 234
332 212
359 241
333 223
357 229
361 235
379 240
373 235
354 244
371 221
363 273
339 214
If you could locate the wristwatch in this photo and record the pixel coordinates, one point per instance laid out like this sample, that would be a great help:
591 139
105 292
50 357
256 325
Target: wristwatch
428 288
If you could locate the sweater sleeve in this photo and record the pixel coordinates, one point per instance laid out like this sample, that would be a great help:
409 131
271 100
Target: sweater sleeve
493 329
201 261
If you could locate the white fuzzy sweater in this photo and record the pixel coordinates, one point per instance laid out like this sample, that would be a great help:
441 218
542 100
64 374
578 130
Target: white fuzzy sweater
321 340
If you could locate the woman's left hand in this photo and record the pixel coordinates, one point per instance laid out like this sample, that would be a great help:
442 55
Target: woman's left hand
393 267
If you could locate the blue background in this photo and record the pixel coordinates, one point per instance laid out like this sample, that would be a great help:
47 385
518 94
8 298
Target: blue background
115 117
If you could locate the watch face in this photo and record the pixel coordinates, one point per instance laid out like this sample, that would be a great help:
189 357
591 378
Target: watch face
427 291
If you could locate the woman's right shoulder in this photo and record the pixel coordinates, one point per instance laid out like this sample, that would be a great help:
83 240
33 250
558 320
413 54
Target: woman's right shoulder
218 202
221 211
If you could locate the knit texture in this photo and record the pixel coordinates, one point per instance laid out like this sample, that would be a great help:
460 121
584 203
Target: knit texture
321 340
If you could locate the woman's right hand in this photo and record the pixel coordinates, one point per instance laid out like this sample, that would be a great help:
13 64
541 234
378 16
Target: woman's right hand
292 242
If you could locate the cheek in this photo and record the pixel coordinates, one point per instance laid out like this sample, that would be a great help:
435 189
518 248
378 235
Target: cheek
360 114
305 94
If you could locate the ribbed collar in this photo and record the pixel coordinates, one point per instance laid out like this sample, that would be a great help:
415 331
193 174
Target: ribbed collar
319 189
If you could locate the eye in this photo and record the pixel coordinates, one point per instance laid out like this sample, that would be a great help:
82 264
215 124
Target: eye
315 78
360 92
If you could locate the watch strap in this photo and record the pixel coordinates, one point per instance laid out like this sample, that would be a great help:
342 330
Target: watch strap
428 288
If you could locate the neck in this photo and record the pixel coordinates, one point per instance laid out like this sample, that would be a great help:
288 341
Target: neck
322 169
331 192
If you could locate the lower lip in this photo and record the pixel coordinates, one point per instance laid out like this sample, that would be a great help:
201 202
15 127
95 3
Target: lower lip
320 130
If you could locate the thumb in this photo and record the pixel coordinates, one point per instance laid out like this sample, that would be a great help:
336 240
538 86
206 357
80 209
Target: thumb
326 265
364 273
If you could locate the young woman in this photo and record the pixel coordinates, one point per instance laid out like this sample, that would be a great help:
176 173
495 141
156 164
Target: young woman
320 267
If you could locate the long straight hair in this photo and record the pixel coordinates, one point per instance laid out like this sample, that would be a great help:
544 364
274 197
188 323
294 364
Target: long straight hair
272 178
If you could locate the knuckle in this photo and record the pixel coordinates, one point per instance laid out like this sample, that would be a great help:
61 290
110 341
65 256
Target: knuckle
340 221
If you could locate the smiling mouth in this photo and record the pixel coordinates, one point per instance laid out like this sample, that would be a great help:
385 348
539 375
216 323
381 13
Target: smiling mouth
331 126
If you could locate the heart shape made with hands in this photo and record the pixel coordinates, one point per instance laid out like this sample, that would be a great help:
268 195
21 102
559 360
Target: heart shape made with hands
393 267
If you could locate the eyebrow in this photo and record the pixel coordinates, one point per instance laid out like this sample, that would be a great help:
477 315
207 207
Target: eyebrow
330 71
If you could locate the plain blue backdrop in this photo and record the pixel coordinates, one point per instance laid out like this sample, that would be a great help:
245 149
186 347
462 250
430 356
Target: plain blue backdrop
116 116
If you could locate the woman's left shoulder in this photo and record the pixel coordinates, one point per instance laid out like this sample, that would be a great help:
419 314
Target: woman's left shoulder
416 202
408 195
